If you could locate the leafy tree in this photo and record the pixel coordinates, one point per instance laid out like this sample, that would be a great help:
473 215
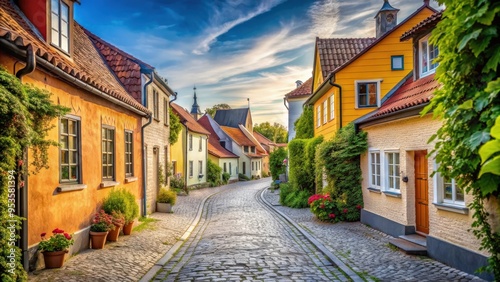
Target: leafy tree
26 114
214 173
175 127
304 125
276 162
275 132
211 111
468 39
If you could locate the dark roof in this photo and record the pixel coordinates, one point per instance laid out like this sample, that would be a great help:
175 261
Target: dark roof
232 117
334 52
85 64
423 26
303 90
386 7
214 146
189 120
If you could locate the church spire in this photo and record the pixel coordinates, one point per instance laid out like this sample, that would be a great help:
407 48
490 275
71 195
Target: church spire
195 109
386 18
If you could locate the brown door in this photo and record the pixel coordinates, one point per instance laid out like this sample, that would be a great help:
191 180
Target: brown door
421 192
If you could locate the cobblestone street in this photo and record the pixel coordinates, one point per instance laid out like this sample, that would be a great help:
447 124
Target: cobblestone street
231 233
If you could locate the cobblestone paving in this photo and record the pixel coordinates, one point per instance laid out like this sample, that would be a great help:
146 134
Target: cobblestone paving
239 239
132 256
367 251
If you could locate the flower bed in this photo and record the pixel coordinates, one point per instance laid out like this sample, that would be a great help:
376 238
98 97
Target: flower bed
327 209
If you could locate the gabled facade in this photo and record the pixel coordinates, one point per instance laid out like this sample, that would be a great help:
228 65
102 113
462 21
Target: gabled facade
190 153
294 102
400 193
152 91
227 160
101 136
359 85
234 117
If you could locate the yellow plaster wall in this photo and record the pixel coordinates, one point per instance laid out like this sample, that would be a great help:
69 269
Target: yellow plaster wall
318 73
177 151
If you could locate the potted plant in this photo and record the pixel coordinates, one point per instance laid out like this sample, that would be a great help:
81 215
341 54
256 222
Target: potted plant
101 224
165 200
132 213
117 205
118 220
54 248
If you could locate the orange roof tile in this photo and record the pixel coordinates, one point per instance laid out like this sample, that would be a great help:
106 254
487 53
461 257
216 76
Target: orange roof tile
188 119
214 146
303 90
423 26
262 139
238 136
86 64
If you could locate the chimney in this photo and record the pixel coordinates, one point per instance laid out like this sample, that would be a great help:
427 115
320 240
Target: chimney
36 12
426 2
299 83
386 18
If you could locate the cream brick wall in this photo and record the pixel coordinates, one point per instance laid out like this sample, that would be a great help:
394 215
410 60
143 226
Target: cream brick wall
406 136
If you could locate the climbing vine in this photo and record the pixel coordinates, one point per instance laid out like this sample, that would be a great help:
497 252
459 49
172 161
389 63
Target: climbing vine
25 119
304 125
468 39
175 127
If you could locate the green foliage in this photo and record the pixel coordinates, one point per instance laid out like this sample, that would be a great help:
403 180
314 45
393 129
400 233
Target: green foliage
214 173
59 241
304 125
166 196
327 209
490 152
177 182
175 127
211 111
121 205
275 132
340 159
225 177
102 222
302 163
293 198
243 177
26 114
276 166
133 211
468 39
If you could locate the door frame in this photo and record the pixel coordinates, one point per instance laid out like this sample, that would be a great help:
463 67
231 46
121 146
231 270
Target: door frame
426 161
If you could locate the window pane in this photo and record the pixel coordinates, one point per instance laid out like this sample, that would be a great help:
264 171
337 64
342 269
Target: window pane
110 171
448 189
64 173
64 142
55 6
424 57
460 194
73 157
74 172
64 126
72 142
64 157
64 12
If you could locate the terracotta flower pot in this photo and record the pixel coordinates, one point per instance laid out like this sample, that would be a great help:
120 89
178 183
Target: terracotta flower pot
54 259
113 234
164 207
127 228
98 239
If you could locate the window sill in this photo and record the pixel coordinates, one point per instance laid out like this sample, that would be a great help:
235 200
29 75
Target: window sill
70 187
374 190
130 179
106 184
451 208
392 194
157 119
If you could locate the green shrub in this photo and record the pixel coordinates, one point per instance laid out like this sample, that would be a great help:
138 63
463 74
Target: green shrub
302 163
118 202
285 190
225 177
177 182
276 166
293 198
327 209
265 174
214 173
133 211
243 177
166 196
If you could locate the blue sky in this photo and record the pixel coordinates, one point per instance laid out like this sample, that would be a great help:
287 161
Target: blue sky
232 49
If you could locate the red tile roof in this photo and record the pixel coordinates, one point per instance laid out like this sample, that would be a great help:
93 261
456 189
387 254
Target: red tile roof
214 146
423 26
303 90
86 64
125 66
410 94
188 119
238 136
334 52
262 139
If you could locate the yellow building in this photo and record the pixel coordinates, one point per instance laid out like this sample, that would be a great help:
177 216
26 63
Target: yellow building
352 76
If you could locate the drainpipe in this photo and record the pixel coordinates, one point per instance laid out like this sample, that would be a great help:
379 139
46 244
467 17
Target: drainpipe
284 102
340 97
144 176
22 191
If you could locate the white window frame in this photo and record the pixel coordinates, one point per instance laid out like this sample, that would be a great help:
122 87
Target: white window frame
200 146
397 171
325 111
439 191
356 96
427 54
190 142
371 172
318 116
57 23
332 107
191 169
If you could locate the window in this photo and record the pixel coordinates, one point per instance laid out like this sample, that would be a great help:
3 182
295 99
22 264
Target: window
225 167
428 53
165 112
244 168
374 170
174 168
200 168
60 25
252 149
69 151
392 171
332 107
253 166
108 151
245 149
155 105
367 94
190 168
325 111
318 116
397 62
230 169
452 193
200 147
129 155
190 142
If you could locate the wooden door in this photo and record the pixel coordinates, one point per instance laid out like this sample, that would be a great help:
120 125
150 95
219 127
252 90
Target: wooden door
421 192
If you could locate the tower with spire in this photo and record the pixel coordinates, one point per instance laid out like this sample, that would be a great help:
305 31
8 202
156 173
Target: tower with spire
387 18
195 109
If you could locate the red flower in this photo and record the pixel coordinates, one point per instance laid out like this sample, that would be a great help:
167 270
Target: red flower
332 215
67 236
20 162
345 210
43 234
359 207
322 206
57 231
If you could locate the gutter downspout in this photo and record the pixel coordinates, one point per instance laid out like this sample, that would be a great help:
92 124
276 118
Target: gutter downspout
284 102
22 193
340 98
144 176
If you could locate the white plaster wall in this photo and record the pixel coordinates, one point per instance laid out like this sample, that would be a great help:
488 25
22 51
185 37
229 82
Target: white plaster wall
294 112
196 155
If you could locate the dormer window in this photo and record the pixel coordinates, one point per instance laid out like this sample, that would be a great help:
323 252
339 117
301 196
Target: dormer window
428 52
252 149
60 15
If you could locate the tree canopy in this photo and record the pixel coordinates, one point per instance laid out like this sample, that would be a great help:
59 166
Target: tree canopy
304 125
275 132
211 111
